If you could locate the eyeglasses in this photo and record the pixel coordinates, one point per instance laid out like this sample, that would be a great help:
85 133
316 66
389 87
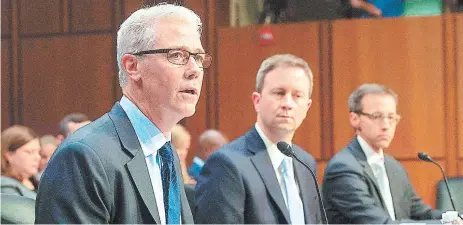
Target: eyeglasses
378 117
181 57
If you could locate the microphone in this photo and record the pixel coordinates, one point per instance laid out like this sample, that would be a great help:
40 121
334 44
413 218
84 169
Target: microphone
286 149
425 157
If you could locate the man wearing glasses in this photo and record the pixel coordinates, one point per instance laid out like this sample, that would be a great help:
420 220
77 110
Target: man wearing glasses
121 168
363 185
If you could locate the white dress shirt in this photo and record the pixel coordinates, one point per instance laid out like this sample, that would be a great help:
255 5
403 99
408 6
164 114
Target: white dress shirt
376 162
151 140
276 157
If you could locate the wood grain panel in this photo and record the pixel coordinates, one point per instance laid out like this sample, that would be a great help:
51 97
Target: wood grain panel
39 17
459 79
91 15
6 84
405 54
239 58
199 122
321 166
6 18
66 74
424 177
131 6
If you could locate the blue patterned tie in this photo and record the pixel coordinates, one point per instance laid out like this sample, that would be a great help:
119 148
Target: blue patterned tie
293 200
170 185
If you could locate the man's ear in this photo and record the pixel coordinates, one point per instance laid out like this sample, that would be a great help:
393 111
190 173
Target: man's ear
255 100
354 119
8 156
130 64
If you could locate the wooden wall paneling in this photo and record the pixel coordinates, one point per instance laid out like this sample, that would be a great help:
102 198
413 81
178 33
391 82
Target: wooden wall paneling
386 51
459 81
198 122
117 18
15 116
6 84
6 18
460 167
130 6
76 76
326 91
450 87
239 58
424 177
65 15
321 166
91 15
40 17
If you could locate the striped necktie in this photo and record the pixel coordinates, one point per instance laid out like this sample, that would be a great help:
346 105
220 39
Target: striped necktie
170 185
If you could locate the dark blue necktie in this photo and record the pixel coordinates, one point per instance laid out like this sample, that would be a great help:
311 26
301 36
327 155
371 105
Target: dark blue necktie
170 185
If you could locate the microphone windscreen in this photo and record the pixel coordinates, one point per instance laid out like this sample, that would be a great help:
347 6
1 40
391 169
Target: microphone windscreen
423 156
285 148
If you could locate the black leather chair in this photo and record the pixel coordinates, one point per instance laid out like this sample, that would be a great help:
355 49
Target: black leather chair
17 209
442 196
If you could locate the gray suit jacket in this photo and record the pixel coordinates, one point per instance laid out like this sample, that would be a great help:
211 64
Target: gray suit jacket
14 187
351 193
99 175
238 185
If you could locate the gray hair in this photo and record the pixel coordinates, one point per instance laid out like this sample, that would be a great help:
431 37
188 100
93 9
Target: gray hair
137 32
355 99
284 60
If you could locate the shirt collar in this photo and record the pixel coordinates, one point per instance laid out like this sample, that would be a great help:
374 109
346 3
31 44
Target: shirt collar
372 156
276 157
150 137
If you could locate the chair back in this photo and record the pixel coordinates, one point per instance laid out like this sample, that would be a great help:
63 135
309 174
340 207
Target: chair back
442 196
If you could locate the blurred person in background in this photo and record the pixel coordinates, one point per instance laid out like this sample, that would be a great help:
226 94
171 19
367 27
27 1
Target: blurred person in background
209 142
181 140
71 123
20 160
377 8
48 144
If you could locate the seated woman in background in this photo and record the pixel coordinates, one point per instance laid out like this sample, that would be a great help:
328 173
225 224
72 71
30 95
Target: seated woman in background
20 160
181 141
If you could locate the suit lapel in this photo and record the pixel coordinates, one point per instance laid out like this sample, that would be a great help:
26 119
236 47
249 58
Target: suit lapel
186 211
137 165
392 172
306 182
358 153
264 167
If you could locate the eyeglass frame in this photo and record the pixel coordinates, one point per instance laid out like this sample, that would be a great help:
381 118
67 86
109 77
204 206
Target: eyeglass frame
168 50
381 117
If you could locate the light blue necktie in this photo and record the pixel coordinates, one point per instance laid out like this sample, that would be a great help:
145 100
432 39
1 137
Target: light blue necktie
170 185
293 200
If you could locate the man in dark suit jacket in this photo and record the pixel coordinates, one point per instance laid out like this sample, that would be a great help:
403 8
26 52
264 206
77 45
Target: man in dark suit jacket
121 168
353 189
241 182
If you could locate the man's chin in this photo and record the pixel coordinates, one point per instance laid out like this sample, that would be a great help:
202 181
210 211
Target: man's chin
285 127
189 111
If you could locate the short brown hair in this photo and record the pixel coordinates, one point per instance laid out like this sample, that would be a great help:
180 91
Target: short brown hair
283 60
13 138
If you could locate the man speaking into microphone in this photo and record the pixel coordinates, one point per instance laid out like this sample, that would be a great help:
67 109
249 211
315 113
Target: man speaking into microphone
249 180
361 183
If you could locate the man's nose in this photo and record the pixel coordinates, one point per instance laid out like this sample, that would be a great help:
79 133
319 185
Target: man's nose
193 70
288 101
